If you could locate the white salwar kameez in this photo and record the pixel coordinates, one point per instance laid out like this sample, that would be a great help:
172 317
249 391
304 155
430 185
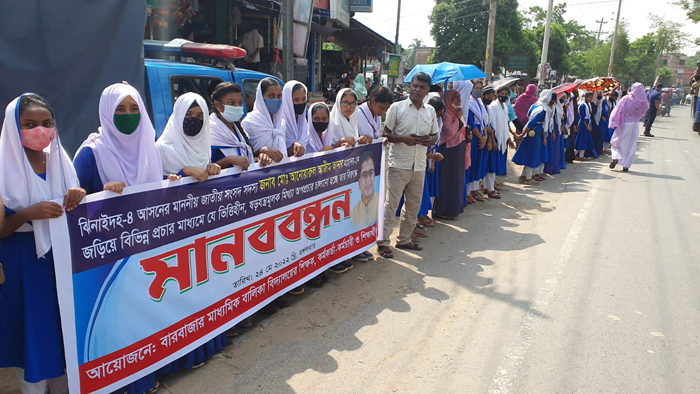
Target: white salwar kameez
624 143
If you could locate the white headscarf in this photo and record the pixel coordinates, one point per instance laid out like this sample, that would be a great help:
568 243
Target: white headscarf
499 121
263 130
178 150
465 92
543 105
599 113
297 129
232 141
132 158
20 187
582 100
315 144
570 116
559 113
429 96
340 126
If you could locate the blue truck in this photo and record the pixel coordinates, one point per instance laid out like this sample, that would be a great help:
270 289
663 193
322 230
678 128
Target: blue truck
171 76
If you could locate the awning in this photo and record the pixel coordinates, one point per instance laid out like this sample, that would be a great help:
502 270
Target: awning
359 36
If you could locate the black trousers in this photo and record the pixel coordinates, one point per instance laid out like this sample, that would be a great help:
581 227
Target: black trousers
649 119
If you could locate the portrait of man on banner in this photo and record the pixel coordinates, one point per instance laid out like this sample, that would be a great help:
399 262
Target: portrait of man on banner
364 214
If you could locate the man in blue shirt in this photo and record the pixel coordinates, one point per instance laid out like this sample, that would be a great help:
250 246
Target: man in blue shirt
654 97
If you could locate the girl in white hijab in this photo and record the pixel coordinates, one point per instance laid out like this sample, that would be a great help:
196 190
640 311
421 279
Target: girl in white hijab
230 144
123 151
184 146
293 113
265 125
317 123
343 122
35 170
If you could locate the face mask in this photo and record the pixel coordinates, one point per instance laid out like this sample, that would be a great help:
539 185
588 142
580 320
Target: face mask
562 101
273 105
232 114
37 138
476 93
600 97
192 126
320 127
503 99
127 123
299 108
487 101
457 107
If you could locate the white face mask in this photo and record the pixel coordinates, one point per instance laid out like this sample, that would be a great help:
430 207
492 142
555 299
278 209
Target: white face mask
232 114
457 107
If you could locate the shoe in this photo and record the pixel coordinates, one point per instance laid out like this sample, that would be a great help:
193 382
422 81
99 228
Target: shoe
648 135
361 257
369 255
613 164
625 169
343 267
297 291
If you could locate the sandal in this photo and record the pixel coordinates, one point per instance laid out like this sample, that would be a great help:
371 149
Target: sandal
470 200
415 239
494 194
613 164
419 233
385 252
478 197
426 221
155 388
497 187
531 182
409 246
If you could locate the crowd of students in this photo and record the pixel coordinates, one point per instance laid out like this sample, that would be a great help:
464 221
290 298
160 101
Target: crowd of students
445 149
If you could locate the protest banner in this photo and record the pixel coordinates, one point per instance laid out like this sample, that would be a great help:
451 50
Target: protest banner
147 276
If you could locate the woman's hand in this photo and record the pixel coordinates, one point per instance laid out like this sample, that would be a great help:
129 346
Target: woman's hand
460 113
299 149
554 137
482 143
364 140
436 156
326 148
174 177
213 169
72 198
197 173
346 141
241 161
511 144
44 210
116 187
273 154
264 159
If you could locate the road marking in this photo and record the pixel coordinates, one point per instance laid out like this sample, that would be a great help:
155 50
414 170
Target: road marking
508 368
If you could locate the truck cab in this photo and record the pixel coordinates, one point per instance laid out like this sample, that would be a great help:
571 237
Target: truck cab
169 78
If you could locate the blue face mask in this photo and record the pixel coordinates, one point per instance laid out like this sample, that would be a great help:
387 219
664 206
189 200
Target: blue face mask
273 105
232 114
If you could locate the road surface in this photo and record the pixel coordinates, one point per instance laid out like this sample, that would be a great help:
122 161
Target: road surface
587 284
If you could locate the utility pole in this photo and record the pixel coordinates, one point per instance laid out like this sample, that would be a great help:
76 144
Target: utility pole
614 43
488 67
545 42
398 19
600 31
287 38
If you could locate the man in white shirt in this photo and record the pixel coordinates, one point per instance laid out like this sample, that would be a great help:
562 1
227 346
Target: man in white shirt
253 43
410 127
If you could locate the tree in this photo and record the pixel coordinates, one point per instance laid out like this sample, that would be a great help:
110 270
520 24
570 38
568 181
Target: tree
669 37
558 54
538 15
692 7
460 31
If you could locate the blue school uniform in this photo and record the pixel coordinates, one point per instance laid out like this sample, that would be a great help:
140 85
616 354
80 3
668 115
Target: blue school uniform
30 324
607 108
530 150
477 171
558 161
584 141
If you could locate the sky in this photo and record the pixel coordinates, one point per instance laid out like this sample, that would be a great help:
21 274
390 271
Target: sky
415 24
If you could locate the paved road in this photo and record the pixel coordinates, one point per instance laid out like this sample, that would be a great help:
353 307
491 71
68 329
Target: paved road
587 284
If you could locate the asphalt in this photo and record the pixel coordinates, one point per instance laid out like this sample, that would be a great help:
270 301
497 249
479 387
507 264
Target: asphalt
585 284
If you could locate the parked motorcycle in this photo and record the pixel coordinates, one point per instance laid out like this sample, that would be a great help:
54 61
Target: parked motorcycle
330 92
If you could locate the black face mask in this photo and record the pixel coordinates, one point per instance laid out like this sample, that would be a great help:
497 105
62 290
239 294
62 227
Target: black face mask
320 127
486 101
600 97
562 101
299 108
192 126
503 99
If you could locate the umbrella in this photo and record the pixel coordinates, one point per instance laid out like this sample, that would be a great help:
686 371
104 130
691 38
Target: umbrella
447 72
565 88
604 84
504 82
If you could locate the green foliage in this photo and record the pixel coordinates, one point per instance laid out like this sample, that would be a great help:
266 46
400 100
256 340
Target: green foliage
558 53
331 46
692 7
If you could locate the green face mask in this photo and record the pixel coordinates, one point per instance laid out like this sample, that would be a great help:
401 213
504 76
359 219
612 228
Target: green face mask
127 123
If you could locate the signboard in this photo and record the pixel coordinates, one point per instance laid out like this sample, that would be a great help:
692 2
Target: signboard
322 4
518 62
340 11
394 64
302 26
360 5
150 275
